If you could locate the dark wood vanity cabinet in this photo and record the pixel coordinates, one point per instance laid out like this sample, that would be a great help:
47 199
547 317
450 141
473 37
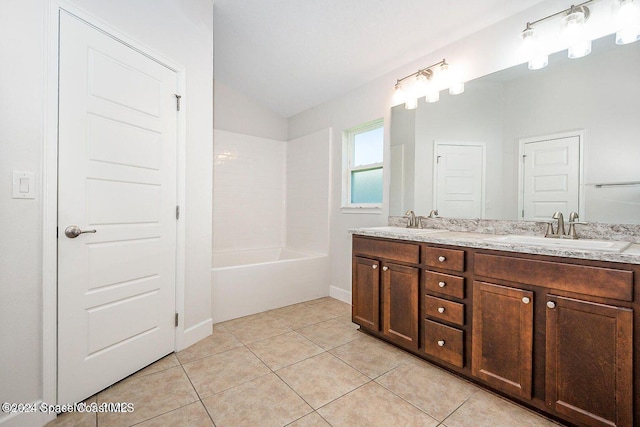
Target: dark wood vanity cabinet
503 337
555 334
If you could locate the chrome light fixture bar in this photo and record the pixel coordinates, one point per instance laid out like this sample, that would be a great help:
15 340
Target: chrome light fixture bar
428 83
574 35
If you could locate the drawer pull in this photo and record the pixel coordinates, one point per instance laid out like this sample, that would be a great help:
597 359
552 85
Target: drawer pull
441 343
385 268
442 258
440 310
442 284
526 300
374 266
551 304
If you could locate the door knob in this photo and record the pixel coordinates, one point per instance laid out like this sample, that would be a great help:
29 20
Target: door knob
551 304
374 266
385 268
526 300
74 231
442 258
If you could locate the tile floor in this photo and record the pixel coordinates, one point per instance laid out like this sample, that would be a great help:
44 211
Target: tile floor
301 365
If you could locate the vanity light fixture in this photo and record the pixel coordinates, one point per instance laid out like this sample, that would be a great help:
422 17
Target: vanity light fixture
628 22
428 83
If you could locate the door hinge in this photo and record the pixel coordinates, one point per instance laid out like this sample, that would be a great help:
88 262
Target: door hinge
56 232
523 158
178 97
438 159
176 320
178 212
522 213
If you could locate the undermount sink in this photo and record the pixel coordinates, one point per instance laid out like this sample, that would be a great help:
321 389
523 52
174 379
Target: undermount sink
405 230
577 244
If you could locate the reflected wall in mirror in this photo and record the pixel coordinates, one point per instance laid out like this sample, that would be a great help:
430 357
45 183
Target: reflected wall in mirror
596 97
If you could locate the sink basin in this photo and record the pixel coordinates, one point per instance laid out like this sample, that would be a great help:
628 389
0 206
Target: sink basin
404 230
578 244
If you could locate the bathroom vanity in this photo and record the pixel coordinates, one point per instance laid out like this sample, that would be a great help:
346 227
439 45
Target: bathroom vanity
552 329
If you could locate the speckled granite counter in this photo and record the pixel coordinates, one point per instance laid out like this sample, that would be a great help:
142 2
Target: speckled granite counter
630 255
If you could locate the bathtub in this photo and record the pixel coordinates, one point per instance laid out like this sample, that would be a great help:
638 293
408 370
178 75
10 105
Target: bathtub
252 281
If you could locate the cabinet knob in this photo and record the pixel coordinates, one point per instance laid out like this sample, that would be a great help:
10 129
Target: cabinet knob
442 284
441 343
385 268
526 300
374 266
551 304
442 258
440 310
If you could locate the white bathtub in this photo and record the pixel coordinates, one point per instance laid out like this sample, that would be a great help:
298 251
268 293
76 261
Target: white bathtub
252 281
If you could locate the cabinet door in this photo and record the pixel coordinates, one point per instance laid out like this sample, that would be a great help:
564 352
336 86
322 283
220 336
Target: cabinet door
589 361
365 309
400 291
502 338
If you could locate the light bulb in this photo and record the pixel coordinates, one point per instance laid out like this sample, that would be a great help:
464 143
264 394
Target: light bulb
398 95
456 83
411 104
579 44
531 50
421 84
433 94
628 22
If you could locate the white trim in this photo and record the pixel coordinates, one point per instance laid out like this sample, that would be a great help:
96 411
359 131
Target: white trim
483 186
361 210
560 135
196 332
340 294
26 419
50 188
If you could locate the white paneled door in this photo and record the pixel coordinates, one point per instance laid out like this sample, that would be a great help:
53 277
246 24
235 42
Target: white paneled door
117 184
459 180
551 177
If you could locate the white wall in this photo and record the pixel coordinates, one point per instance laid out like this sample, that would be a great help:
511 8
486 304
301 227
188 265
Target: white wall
234 112
180 31
249 192
308 189
489 50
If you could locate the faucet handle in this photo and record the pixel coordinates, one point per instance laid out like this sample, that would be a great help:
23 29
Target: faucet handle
571 234
550 231
573 216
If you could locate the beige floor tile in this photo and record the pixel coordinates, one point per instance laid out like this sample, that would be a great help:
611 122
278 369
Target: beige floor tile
151 395
165 363
300 315
321 379
334 306
220 341
488 410
284 350
76 419
371 356
222 371
265 401
311 420
331 333
431 389
188 416
255 328
373 405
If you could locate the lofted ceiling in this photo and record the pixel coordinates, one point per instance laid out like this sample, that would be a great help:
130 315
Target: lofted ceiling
291 55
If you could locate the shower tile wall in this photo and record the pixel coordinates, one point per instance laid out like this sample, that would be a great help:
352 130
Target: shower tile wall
308 192
249 192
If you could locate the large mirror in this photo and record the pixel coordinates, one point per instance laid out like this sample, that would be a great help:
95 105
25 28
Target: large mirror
520 144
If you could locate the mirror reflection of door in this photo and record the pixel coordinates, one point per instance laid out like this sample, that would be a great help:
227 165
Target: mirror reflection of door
550 176
459 181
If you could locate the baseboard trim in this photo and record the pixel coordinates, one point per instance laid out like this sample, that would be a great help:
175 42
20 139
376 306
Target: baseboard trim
340 294
196 332
28 419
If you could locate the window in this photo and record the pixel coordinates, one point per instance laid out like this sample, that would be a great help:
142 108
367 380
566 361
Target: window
363 171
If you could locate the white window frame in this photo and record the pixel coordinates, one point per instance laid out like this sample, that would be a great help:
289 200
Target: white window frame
348 153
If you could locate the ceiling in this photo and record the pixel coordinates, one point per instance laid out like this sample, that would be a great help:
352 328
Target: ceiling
291 55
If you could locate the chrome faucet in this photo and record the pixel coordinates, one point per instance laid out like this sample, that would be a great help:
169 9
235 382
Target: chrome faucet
560 230
412 223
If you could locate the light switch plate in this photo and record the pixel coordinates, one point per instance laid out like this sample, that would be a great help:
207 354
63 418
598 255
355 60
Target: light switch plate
24 185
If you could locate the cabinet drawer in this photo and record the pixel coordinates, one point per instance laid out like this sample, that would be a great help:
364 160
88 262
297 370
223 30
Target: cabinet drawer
449 259
583 279
403 252
444 342
444 283
444 309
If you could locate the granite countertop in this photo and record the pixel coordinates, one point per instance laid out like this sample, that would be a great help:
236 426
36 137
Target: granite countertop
630 255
